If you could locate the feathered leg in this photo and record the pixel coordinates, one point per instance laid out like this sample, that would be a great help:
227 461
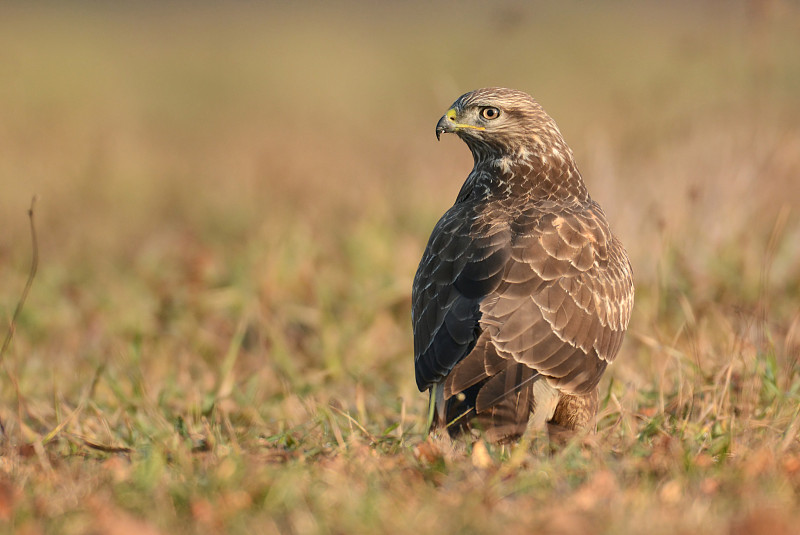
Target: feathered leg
573 413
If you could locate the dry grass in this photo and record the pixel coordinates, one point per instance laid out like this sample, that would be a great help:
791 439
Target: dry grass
232 205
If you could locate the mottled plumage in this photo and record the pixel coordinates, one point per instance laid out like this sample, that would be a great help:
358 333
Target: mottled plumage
523 294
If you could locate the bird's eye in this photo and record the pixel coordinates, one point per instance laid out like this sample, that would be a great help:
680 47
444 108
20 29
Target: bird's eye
490 113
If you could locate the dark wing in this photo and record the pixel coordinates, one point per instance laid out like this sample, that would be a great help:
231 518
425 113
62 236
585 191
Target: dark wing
563 304
464 262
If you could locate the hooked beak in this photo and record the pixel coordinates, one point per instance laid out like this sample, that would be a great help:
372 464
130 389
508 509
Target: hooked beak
448 124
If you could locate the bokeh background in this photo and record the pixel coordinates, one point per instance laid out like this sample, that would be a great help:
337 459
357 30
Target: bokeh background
233 198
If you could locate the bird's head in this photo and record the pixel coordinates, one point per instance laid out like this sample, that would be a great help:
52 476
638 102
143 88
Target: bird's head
496 122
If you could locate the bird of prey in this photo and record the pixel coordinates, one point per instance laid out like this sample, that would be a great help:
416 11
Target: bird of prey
523 294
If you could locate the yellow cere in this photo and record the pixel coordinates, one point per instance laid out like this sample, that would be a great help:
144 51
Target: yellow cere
451 114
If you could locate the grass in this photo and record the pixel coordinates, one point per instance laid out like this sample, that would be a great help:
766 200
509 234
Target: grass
232 205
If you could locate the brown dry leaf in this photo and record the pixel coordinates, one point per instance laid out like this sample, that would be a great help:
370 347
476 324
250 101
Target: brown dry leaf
236 501
595 491
703 460
119 468
791 465
111 520
427 451
763 521
663 456
27 451
204 512
671 492
709 485
648 412
480 456
759 462
8 499
566 522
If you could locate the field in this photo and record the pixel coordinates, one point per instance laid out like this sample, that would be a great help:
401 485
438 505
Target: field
232 199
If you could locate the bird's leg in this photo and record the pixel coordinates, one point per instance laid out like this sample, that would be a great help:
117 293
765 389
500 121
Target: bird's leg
432 408
573 413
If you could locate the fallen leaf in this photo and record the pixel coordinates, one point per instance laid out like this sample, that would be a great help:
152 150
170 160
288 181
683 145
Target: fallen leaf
709 485
763 521
671 492
8 499
480 456
112 520
427 451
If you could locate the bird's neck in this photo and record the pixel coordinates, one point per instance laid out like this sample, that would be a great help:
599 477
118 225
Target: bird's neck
528 173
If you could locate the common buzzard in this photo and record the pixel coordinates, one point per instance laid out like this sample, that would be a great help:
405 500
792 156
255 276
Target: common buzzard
523 294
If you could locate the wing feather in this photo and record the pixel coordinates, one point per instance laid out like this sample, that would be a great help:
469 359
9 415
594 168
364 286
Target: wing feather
459 268
580 301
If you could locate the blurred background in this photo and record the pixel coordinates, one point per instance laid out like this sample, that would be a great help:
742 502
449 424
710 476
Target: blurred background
260 179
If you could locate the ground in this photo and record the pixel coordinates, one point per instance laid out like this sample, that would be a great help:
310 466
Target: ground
232 202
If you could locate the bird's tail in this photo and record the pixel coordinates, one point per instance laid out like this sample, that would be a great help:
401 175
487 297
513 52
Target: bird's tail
499 405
